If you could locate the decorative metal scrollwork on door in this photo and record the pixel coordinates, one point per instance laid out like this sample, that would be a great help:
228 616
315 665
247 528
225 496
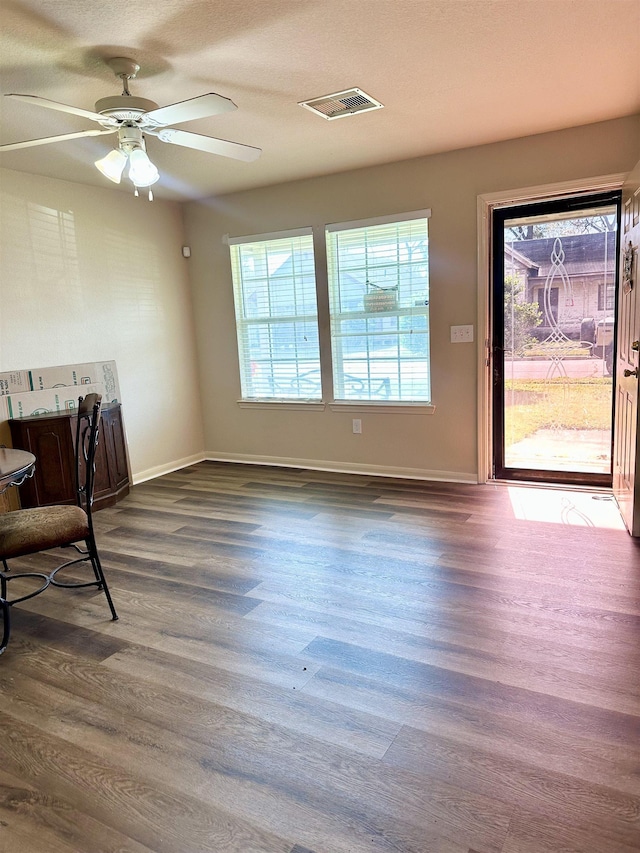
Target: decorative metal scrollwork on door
556 343
627 269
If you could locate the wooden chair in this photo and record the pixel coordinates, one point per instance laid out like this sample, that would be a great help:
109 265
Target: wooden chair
29 531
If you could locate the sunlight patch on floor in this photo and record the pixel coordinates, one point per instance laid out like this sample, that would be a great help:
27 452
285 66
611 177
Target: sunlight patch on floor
568 507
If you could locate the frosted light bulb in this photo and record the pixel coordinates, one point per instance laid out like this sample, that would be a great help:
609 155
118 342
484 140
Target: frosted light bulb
142 172
112 166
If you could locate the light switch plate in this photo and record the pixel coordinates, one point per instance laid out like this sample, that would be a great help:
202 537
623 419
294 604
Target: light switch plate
461 334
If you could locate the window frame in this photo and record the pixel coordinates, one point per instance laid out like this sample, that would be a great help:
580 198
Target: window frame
323 320
270 321
606 297
352 403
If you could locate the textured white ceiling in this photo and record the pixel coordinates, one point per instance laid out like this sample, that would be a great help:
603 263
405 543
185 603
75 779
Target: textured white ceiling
451 74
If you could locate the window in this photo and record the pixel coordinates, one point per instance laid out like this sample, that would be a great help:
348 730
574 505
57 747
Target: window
277 316
606 297
379 303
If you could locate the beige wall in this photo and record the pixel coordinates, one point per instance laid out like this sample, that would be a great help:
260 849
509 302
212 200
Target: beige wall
442 444
110 283
91 274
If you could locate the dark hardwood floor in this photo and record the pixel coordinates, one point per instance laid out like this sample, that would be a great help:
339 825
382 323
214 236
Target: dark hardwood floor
309 662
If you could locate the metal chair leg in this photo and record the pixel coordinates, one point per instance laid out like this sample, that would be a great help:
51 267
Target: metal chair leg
97 567
6 619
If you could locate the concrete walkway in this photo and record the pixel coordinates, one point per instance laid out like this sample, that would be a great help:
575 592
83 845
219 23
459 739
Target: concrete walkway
586 450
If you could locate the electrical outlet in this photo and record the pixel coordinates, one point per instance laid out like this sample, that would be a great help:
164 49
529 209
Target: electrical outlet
461 334
356 425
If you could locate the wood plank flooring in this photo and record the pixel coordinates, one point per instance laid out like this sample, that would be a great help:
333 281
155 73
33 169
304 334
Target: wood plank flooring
309 662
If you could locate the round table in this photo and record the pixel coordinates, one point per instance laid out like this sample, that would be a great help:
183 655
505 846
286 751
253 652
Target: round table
15 467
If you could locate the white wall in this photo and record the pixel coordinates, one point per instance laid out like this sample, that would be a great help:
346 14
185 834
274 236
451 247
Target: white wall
441 445
91 274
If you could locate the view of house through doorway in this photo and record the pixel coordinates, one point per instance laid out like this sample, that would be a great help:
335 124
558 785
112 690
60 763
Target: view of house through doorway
554 312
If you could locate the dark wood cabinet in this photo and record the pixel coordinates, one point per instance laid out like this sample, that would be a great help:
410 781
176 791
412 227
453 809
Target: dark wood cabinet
51 438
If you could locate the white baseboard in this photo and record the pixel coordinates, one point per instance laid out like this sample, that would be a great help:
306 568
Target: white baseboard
344 467
159 470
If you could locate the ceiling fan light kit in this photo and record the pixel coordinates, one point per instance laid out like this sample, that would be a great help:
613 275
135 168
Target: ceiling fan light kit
132 117
131 149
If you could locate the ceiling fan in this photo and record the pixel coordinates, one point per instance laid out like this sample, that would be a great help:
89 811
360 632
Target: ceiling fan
132 118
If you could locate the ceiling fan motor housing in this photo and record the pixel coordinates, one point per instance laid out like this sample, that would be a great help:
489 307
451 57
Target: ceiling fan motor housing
124 107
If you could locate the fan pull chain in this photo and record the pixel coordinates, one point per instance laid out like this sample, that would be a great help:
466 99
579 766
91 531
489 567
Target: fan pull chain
137 194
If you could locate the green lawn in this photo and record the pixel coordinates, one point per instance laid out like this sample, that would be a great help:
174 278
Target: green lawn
533 404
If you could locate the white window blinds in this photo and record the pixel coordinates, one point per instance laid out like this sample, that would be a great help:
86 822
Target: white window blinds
277 316
379 304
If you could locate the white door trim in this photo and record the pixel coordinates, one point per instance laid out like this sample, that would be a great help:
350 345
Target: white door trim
487 202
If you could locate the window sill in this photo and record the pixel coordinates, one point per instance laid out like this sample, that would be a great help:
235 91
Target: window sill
292 405
390 408
393 407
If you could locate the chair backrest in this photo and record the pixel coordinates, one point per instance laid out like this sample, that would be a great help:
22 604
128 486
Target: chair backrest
87 435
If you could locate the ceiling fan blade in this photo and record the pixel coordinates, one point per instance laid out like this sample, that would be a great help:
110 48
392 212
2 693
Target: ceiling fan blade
63 108
11 146
201 107
208 144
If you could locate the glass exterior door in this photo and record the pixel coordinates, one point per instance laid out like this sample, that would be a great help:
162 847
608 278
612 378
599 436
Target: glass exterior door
554 297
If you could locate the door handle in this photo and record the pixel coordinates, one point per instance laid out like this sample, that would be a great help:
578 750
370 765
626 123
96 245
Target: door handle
635 346
631 372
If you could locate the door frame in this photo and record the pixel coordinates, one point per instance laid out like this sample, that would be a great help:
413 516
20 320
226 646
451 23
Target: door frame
486 204
627 429
581 204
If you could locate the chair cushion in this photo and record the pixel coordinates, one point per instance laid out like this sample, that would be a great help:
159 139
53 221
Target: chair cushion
27 531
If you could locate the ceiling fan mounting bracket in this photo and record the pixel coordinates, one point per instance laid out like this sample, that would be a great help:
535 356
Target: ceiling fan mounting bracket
125 107
123 67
